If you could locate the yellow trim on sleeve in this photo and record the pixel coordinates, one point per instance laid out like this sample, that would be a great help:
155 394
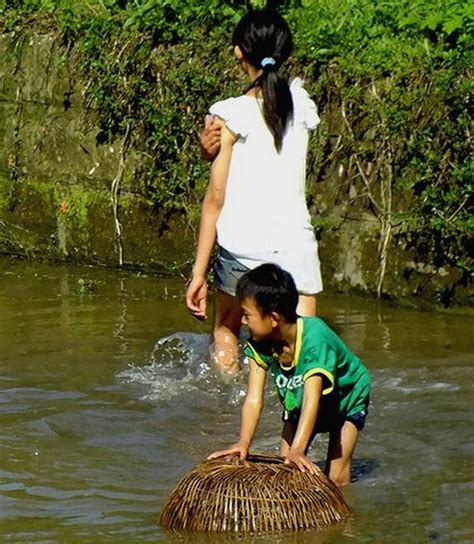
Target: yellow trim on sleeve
299 339
256 357
325 373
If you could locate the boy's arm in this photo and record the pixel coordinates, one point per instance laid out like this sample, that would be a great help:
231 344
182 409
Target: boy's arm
251 411
196 293
313 388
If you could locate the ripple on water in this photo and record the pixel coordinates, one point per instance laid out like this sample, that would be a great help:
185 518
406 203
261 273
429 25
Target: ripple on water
418 381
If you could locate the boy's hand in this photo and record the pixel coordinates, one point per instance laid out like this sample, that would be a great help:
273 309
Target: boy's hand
210 138
238 449
302 462
196 297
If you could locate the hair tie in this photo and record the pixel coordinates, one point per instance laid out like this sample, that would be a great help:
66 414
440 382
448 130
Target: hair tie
267 61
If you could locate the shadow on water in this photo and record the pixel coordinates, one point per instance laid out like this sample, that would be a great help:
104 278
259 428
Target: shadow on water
362 468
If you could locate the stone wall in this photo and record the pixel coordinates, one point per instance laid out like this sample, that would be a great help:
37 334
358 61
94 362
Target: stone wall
56 192
56 182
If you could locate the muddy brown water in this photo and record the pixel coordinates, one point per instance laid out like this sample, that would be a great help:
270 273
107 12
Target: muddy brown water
107 399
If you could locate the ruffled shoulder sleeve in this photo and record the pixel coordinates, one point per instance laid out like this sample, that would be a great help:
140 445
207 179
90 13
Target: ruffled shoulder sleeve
305 109
234 113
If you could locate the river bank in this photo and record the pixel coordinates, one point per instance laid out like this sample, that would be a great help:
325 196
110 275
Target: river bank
98 155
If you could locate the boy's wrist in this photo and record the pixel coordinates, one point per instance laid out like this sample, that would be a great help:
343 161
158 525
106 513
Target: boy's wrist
298 449
244 443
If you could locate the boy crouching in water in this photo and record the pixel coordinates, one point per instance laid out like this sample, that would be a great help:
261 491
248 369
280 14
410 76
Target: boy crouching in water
322 385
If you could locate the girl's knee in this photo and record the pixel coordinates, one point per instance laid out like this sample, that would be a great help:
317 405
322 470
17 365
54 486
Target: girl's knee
225 351
226 335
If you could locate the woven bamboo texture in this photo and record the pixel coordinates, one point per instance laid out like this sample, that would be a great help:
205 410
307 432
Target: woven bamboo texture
260 494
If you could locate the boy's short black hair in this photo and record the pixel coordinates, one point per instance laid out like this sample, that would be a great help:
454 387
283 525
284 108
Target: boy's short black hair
272 288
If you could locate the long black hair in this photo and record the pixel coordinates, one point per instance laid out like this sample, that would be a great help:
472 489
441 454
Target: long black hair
265 40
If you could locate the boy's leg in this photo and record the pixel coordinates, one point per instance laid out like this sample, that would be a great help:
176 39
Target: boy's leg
287 435
341 447
227 319
306 305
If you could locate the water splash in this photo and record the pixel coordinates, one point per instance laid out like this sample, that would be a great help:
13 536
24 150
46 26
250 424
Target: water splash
180 364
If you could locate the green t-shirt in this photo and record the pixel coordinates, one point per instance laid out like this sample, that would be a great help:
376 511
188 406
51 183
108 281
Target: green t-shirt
318 350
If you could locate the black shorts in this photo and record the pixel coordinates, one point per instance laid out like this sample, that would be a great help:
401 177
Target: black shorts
327 422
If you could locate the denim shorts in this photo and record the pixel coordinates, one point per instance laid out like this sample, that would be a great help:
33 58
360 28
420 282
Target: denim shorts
227 271
303 266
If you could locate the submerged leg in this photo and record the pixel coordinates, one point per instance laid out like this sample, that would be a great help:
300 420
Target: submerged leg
341 447
227 319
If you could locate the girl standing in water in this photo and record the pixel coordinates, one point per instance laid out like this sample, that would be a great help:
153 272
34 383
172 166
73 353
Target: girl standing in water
255 204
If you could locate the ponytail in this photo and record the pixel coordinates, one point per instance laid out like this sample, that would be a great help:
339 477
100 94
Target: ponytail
265 40
277 105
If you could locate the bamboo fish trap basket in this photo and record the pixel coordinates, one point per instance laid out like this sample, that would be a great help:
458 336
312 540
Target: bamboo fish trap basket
260 494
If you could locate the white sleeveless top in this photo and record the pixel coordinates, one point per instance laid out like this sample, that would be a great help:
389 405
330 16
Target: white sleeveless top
265 211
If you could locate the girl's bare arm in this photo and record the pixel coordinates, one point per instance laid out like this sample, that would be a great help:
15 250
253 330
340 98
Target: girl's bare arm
196 294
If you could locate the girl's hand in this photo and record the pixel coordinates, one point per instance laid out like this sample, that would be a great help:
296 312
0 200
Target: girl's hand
239 449
196 297
302 462
210 138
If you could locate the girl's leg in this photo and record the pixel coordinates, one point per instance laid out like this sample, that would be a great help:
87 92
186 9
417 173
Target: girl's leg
306 305
341 447
227 319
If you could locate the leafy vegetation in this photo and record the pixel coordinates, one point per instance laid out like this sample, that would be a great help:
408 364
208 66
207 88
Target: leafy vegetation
393 80
399 72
